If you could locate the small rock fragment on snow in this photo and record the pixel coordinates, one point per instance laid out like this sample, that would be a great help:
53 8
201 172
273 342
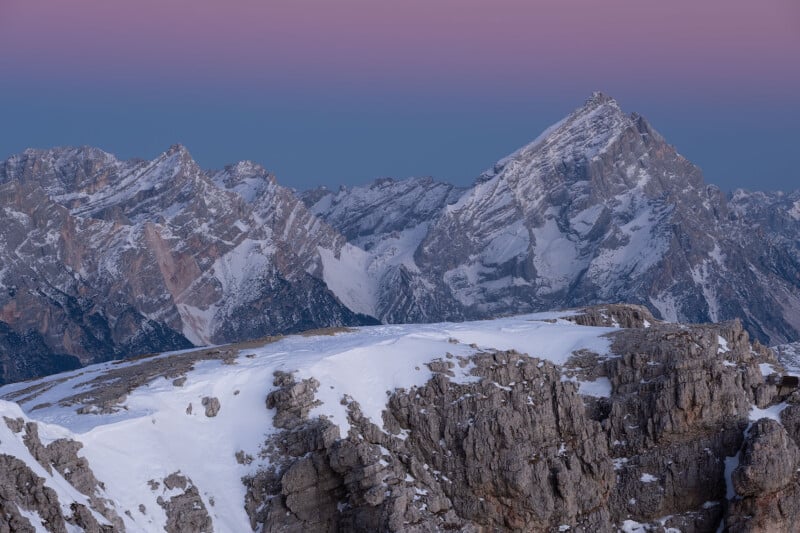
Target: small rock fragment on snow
211 404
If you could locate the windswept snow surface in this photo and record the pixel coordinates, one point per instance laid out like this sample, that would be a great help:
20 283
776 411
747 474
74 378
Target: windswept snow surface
152 435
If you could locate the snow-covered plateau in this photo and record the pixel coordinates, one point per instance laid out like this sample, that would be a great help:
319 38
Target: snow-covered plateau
533 422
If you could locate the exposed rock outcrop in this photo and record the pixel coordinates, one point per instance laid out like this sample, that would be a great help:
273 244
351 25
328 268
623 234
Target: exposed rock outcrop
186 512
300 492
212 406
25 496
20 487
62 456
768 462
520 449
767 480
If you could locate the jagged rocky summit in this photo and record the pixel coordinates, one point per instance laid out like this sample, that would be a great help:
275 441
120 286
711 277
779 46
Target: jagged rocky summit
102 259
593 420
598 209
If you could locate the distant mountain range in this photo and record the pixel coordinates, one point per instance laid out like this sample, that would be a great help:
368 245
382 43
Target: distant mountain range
102 258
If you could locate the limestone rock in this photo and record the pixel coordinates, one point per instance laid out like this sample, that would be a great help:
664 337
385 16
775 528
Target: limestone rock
663 440
186 512
212 406
521 450
292 401
769 460
93 246
767 478
21 487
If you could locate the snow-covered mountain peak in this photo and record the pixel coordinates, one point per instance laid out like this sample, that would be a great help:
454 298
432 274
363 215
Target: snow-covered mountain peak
176 155
62 155
57 170
135 189
586 131
582 136
598 208
599 98
565 162
248 167
246 178
177 148
89 180
143 245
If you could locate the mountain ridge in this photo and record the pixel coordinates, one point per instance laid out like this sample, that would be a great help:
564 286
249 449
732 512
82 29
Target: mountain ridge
554 223
153 250
104 258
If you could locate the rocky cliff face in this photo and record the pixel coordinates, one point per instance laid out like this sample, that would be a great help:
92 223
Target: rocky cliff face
600 419
523 450
103 258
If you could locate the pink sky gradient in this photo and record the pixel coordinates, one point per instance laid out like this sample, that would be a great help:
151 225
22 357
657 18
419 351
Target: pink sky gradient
406 43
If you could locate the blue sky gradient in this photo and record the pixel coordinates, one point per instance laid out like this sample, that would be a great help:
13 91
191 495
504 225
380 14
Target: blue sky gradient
329 95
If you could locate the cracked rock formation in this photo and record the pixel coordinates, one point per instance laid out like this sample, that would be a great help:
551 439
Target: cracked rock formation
519 449
671 427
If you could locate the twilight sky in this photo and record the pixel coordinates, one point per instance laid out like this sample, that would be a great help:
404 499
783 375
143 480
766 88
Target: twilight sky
331 92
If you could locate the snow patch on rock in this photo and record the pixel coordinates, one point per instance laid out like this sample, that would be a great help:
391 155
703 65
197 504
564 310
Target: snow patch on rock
794 212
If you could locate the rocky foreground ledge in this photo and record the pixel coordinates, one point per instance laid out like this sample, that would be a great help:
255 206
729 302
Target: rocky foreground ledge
672 427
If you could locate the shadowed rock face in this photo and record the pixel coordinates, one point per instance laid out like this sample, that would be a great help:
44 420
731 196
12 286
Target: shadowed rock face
26 355
521 450
22 487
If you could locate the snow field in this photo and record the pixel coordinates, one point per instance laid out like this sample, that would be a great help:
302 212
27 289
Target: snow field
154 435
